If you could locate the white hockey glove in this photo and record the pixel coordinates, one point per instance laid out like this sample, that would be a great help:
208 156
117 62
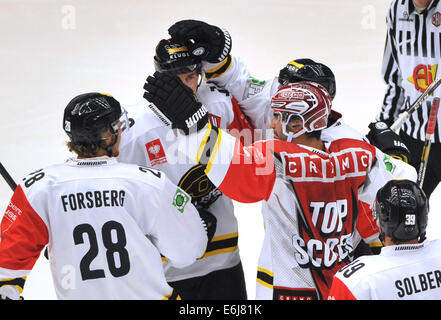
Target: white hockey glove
8 292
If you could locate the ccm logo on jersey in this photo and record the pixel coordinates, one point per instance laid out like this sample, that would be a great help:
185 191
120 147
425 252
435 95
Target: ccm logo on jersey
303 167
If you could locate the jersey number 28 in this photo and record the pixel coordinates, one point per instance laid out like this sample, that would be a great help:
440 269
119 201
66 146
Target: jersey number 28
111 246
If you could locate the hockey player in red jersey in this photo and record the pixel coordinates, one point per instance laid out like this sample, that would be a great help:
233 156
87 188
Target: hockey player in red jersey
311 188
408 267
106 223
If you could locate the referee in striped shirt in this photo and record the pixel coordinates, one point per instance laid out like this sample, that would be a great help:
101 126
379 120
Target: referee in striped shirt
411 62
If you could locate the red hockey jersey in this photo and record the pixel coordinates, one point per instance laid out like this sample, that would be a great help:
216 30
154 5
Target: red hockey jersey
311 209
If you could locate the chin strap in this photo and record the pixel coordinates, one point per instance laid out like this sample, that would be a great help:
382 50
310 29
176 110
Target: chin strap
289 134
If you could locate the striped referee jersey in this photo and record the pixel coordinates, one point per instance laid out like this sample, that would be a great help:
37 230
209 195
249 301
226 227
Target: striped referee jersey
411 61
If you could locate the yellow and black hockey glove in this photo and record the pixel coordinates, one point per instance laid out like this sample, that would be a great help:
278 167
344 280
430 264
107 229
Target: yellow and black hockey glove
172 99
382 137
208 42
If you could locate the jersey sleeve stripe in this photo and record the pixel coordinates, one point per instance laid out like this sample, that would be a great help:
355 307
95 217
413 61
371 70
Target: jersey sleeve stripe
220 244
265 277
209 147
219 70
172 296
202 147
17 282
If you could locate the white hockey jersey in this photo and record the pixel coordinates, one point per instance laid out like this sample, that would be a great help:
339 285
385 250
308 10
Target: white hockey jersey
106 225
151 142
311 209
399 272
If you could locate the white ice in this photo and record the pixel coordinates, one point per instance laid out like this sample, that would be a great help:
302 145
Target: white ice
52 50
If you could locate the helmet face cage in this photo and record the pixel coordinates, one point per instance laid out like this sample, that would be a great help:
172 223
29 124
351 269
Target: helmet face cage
122 123
401 210
307 101
173 57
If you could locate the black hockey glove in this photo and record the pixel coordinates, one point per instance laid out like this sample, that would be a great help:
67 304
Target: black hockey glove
208 42
382 137
175 101
210 222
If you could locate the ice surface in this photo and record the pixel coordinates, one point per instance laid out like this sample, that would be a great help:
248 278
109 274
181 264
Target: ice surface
52 50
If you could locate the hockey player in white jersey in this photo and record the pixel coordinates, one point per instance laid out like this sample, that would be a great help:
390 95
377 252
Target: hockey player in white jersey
311 187
409 265
106 223
218 274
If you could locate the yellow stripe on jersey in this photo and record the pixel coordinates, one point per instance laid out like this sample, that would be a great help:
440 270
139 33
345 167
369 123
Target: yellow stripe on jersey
226 236
375 244
15 282
263 283
172 296
265 277
213 154
224 243
220 69
209 146
204 142
219 251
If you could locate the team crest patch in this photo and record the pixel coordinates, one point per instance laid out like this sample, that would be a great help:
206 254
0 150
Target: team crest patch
253 87
180 200
390 166
436 19
156 152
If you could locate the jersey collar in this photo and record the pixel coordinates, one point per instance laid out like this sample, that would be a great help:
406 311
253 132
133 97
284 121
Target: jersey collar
91 162
403 248
317 151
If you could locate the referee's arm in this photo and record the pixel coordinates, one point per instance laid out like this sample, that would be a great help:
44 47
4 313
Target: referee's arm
394 97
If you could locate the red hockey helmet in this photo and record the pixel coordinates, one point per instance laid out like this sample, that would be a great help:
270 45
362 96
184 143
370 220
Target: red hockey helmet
306 100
